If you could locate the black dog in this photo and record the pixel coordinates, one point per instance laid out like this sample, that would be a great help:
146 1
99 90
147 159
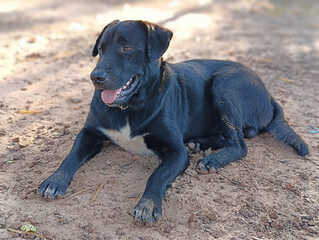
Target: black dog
149 106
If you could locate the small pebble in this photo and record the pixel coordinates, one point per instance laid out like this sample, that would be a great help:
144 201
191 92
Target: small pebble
311 223
274 225
166 229
75 100
10 157
2 133
16 147
32 164
281 160
63 221
15 139
212 216
191 145
273 215
312 229
191 172
188 149
304 176
307 217
3 221
191 221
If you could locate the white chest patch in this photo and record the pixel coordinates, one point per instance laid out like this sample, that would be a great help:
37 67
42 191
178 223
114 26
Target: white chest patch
122 138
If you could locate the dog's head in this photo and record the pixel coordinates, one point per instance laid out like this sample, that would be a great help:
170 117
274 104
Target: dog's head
126 49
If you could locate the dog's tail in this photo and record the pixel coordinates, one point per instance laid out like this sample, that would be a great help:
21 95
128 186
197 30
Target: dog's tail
280 129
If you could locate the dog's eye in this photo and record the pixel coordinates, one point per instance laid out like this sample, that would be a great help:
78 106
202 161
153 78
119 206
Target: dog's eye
127 49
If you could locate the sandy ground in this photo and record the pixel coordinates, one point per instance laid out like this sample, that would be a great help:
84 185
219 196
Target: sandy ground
45 62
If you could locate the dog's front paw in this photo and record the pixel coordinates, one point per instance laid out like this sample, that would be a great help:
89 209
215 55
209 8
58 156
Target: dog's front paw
147 211
54 185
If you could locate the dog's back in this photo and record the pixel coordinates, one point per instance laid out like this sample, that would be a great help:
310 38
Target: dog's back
215 78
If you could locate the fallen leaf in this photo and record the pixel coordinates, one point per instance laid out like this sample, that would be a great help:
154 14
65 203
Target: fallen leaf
28 227
9 161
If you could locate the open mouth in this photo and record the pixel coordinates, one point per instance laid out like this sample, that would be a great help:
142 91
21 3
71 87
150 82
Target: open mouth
117 96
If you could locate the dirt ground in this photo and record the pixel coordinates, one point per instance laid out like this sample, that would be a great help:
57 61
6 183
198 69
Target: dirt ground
45 63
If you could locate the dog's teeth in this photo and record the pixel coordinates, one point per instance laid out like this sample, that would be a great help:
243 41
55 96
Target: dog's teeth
128 84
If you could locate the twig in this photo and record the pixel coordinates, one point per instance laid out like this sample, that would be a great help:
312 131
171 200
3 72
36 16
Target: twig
22 111
23 232
231 181
287 80
81 191
125 165
249 173
310 160
197 212
208 230
257 238
270 151
97 191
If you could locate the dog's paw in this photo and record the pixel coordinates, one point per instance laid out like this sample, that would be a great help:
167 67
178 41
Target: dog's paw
192 146
207 165
54 185
147 211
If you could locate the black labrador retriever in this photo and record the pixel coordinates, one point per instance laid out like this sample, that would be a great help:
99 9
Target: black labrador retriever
149 106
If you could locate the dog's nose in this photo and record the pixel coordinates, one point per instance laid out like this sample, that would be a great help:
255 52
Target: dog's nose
98 76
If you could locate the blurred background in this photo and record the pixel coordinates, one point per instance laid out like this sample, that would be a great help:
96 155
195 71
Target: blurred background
246 24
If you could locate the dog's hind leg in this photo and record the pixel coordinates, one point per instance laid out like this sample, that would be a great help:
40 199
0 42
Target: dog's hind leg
234 144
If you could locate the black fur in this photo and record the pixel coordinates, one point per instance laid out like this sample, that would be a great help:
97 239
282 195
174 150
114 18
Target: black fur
216 103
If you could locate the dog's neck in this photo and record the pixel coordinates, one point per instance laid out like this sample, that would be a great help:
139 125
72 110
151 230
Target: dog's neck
156 83
158 78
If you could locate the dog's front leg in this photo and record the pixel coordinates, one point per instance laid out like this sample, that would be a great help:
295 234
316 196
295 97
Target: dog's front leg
86 145
174 162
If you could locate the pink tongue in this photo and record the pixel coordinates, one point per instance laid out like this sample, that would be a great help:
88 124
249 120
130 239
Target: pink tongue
109 96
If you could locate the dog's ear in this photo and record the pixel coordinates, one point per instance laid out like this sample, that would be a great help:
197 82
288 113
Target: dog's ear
95 49
158 40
